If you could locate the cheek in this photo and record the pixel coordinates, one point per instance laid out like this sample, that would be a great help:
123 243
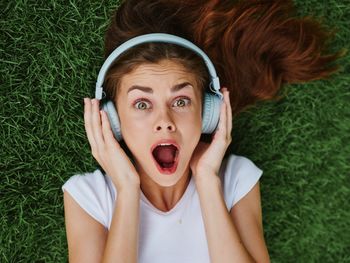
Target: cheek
133 132
190 126
133 127
195 119
130 122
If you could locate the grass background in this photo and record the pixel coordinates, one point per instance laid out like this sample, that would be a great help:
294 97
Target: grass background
51 52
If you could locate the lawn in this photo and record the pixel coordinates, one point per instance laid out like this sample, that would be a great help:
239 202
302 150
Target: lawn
51 52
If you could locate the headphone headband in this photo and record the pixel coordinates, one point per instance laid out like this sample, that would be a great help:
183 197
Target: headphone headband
157 37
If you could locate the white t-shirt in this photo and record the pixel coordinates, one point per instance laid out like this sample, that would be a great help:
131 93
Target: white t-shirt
174 236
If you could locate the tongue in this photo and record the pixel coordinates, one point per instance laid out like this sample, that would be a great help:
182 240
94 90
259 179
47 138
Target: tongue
165 154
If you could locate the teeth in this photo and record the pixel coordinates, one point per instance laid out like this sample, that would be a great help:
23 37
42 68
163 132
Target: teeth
164 144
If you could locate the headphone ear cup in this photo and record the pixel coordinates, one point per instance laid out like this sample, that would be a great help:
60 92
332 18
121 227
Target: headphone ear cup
108 107
211 112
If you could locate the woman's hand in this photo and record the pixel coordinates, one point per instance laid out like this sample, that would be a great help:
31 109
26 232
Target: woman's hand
106 149
207 158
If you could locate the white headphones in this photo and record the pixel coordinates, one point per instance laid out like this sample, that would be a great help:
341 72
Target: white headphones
211 102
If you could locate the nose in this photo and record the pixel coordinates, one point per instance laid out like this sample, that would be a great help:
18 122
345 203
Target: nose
164 123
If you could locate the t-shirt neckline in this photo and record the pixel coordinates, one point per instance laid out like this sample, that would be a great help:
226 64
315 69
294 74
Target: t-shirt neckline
188 192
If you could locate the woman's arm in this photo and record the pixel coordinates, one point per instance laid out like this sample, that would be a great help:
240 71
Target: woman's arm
247 217
89 241
223 239
86 237
122 242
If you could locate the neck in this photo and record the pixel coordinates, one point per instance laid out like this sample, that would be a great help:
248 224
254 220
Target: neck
164 198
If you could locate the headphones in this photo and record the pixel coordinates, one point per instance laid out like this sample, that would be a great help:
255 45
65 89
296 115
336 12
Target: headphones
211 103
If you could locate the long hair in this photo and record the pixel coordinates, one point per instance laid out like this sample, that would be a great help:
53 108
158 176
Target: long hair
256 46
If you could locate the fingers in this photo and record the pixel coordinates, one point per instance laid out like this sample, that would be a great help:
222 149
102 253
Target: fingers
96 123
225 124
222 127
93 127
229 115
107 130
88 123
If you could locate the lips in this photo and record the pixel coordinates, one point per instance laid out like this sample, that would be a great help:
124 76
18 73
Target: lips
171 167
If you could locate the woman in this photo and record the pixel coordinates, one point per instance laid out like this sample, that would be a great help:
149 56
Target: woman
153 202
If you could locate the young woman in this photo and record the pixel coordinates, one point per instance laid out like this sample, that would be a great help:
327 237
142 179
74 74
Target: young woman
166 192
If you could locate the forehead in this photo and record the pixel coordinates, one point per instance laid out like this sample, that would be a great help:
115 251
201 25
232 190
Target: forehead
166 73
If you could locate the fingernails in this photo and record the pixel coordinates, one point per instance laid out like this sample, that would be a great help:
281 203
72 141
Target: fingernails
93 101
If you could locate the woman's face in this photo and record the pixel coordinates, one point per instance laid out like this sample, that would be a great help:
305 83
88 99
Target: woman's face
159 102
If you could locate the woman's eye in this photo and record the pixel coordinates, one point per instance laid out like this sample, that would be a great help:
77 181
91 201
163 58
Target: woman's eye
141 105
145 105
182 102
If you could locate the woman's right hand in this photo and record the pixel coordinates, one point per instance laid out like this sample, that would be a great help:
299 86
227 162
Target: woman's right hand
106 149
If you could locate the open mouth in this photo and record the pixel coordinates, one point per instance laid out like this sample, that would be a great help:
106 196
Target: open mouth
166 157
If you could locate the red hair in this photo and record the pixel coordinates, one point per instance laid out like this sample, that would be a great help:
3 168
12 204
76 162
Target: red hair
256 46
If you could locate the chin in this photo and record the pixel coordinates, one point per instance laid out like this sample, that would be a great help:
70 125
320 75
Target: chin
167 182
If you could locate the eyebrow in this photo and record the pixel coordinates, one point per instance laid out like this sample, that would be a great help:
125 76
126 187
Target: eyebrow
150 90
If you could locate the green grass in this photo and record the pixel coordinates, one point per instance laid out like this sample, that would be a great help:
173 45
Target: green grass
50 56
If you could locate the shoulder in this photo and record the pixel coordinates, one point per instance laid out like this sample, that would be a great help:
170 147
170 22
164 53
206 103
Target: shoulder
94 192
238 176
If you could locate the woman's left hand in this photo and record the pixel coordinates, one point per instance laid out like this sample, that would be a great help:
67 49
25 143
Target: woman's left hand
207 158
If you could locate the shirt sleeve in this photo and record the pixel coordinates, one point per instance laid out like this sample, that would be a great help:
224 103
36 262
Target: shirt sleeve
93 193
238 175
